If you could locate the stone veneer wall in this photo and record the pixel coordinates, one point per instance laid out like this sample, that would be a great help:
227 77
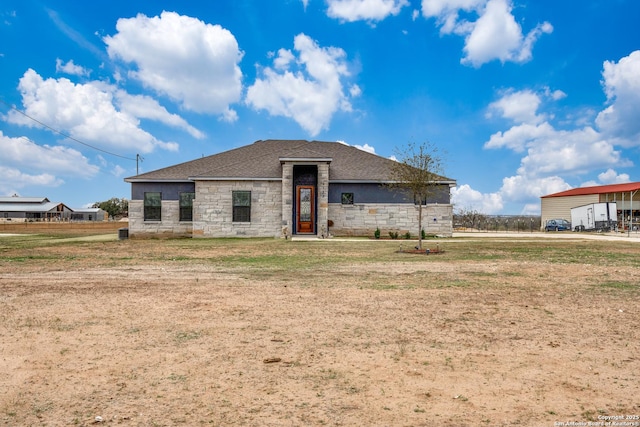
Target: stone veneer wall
286 208
363 219
323 200
168 226
212 216
213 209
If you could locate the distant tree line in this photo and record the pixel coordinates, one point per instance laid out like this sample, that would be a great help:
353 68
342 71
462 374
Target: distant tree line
115 207
472 219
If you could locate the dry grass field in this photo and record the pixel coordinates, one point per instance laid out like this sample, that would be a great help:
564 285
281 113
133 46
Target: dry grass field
64 228
495 332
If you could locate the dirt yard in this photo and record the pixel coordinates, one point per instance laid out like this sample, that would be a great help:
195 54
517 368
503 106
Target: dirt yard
275 333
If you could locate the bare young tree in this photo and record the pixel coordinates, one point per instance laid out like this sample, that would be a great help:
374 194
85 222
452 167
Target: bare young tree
416 172
469 217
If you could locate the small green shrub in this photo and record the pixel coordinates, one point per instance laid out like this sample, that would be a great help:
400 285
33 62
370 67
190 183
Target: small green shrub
423 234
393 234
376 233
407 235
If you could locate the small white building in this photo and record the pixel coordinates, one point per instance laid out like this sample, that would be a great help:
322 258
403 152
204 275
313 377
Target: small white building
89 214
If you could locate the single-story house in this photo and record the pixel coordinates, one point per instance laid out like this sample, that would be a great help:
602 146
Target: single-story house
89 214
559 205
33 209
280 188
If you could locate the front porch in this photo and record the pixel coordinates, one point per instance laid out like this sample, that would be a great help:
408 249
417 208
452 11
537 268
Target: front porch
305 192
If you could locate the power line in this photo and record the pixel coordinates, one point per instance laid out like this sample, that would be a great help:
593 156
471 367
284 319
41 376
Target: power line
64 134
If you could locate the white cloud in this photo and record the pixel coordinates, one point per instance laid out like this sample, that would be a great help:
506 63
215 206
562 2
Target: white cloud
549 151
621 82
364 10
145 107
494 35
307 88
184 58
521 188
103 162
24 163
521 107
283 59
7 18
75 36
556 95
550 154
524 53
14 178
465 197
446 11
118 171
88 113
610 176
366 147
24 153
518 138
71 68
531 209
515 189
569 152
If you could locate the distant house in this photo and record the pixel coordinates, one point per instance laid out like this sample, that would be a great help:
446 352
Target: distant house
558 205
89 214
280 188
33 209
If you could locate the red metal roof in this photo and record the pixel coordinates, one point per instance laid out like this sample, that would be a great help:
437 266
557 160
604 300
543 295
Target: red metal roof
600 189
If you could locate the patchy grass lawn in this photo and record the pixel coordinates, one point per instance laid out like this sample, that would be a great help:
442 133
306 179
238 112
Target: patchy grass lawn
273 332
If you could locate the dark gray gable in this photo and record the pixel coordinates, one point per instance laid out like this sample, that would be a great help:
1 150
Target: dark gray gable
262 160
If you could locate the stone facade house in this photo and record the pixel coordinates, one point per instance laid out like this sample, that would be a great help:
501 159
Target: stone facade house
281 188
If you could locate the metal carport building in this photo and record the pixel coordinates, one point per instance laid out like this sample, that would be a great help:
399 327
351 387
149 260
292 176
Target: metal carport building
558 205
32 209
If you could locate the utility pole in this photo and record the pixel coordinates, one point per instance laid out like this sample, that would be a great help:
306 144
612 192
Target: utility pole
139 159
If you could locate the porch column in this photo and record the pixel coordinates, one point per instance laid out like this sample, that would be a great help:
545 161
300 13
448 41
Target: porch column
323 200
287 199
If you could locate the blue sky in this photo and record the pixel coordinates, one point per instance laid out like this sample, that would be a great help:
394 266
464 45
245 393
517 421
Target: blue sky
522 98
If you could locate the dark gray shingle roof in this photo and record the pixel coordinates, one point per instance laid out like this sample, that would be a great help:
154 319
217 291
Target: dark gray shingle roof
261 160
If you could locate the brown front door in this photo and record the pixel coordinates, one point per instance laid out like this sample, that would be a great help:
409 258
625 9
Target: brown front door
305 209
